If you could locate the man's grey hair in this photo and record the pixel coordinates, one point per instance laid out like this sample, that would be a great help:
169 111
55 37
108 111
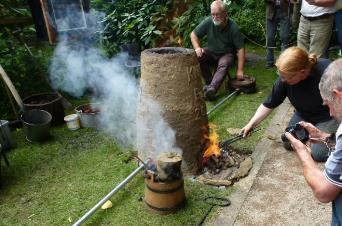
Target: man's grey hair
219 3
331 79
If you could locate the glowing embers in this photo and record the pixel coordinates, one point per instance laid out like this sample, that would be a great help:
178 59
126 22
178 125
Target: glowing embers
222 164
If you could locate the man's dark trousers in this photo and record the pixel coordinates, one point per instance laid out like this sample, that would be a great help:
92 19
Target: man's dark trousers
223 62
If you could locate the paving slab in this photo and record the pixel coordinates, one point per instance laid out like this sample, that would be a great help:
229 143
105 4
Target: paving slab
275 191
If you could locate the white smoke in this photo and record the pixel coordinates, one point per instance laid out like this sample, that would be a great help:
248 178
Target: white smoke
78 68
155 135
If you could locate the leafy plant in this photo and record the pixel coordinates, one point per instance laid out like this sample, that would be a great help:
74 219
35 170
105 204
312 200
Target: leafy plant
184 24
26 73
249 15
133 22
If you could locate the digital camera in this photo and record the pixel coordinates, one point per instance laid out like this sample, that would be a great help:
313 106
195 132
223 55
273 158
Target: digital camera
298 131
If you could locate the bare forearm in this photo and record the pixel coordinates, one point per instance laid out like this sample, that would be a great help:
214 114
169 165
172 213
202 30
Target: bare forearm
322 3
195 40
241 59
261 113
314 177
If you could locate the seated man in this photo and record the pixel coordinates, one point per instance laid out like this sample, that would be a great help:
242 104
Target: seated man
224 40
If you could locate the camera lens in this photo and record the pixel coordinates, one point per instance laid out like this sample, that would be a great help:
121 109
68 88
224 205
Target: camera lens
284 138
298 132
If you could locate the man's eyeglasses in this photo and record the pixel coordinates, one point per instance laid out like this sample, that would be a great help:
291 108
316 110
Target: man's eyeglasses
217 14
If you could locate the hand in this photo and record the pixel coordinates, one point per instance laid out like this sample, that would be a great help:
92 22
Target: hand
199 52
314 132
239 75
297 145
245 130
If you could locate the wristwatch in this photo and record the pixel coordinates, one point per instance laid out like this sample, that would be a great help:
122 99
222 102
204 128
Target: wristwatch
330 141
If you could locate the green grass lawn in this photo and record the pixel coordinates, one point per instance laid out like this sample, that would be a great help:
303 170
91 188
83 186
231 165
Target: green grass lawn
56 182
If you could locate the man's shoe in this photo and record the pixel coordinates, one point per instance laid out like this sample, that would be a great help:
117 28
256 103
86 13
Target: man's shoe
205 87
269 65
210 93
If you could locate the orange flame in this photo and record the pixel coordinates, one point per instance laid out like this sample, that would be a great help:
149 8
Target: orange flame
213 149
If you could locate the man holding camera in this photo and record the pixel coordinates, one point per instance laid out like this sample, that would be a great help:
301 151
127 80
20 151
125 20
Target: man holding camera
326 185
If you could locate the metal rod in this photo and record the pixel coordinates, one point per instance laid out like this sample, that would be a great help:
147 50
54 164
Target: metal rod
238 137
110 194
222 101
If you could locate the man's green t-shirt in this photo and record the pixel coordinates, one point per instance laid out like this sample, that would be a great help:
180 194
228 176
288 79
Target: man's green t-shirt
220 40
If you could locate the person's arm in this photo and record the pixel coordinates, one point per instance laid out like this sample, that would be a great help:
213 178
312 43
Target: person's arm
323 190
315 133
241 63
196 44
261 113
322 3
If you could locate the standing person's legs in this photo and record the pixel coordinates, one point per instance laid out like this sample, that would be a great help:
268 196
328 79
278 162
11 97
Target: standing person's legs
295 16
271 28
303 36
321 30
284 31
320 152
206 62
338 24
224 63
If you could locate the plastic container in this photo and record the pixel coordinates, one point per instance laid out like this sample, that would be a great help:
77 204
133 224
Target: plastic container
36 124
72 121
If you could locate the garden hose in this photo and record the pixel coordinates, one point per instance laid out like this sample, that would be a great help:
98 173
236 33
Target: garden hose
213 201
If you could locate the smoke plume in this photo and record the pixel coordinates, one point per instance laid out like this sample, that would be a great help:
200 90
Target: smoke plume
79 67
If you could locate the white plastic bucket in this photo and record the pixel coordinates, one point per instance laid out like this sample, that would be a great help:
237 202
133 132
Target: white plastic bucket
72 121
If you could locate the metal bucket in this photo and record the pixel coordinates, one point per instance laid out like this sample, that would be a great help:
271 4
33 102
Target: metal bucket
36 124
6 140
88 119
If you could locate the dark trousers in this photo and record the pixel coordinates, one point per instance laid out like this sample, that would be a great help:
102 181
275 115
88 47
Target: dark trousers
271 27
222 62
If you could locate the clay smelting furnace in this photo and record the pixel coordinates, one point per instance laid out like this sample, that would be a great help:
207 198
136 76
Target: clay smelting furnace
171 77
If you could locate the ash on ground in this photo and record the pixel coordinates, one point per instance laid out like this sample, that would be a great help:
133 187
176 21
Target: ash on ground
225 169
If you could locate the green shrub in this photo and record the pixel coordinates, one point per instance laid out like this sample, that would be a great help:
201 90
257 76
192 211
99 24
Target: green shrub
249 15
184 24
135 21
27 73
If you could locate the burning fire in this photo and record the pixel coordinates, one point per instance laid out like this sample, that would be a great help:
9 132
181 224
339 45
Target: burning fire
213 149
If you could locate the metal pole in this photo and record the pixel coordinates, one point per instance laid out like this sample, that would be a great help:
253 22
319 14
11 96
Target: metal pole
110 194
222 101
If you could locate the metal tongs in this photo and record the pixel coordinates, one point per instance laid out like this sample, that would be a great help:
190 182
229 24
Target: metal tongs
229 141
